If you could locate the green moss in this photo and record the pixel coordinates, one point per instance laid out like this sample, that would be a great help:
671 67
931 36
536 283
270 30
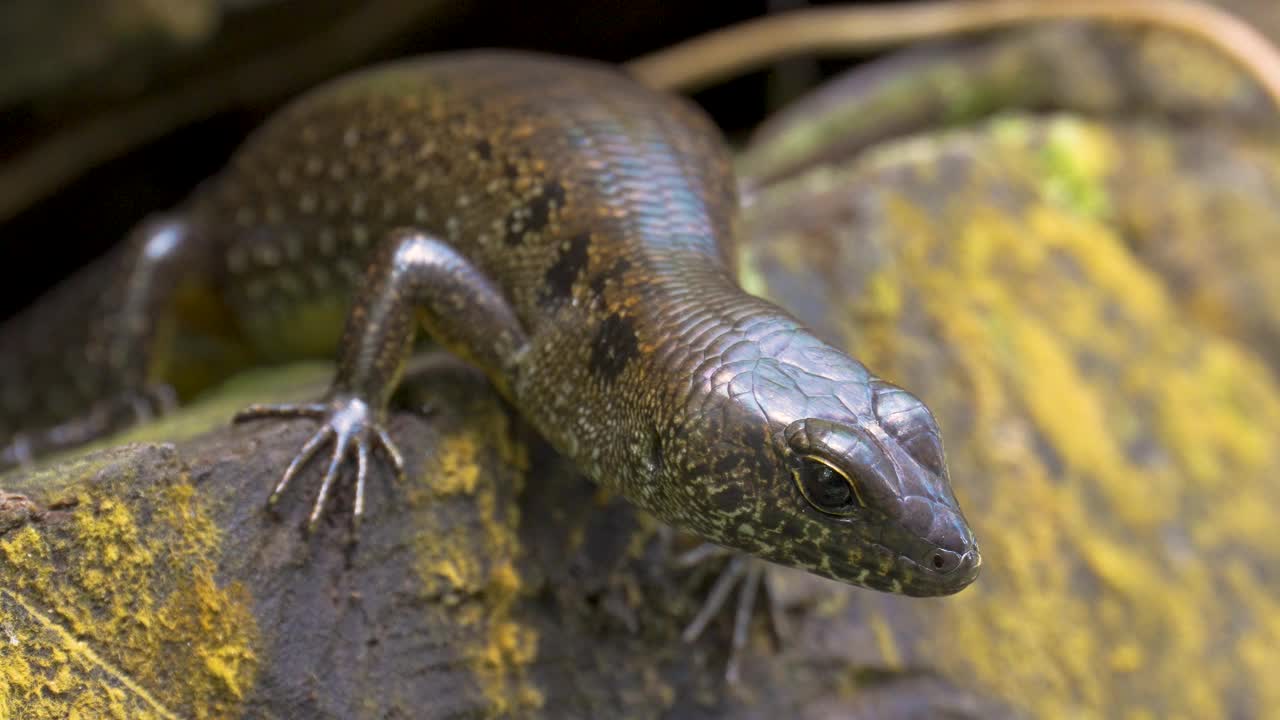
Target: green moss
1072 162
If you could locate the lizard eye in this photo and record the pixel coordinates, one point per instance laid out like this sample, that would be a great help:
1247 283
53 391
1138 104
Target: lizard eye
827 489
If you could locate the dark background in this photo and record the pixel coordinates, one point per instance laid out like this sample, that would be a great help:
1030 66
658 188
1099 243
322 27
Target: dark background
86 217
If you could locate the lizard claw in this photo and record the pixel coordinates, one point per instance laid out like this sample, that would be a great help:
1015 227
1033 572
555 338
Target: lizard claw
351 426
746 574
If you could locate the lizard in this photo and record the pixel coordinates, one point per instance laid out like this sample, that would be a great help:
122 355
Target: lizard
568 228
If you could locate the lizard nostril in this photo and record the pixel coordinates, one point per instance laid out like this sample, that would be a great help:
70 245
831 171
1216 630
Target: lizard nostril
943 561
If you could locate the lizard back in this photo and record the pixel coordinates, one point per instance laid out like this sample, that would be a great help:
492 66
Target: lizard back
557 178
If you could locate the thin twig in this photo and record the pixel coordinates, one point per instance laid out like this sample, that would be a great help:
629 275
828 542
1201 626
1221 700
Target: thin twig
702 60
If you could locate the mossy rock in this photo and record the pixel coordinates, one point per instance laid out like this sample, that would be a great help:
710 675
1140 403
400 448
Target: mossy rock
1115 449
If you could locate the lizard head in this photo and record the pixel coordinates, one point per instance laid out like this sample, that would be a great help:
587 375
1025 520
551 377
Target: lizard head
881 482
847 480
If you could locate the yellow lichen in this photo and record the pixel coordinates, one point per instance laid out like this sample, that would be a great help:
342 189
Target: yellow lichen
888 645
112 616
473 567
458 471
1107 512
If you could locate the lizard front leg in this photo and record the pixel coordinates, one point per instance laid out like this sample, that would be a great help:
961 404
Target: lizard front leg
412 276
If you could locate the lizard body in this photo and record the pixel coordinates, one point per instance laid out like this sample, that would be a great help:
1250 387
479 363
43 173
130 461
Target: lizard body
566 229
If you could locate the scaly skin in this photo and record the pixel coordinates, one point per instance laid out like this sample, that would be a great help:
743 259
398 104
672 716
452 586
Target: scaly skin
567 230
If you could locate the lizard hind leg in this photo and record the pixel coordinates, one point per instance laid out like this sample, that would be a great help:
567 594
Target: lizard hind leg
412 275
746 574
88 364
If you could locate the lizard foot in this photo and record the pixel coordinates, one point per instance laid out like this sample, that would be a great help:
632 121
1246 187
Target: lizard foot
747 574
150 402
17 452
351 426
126 408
